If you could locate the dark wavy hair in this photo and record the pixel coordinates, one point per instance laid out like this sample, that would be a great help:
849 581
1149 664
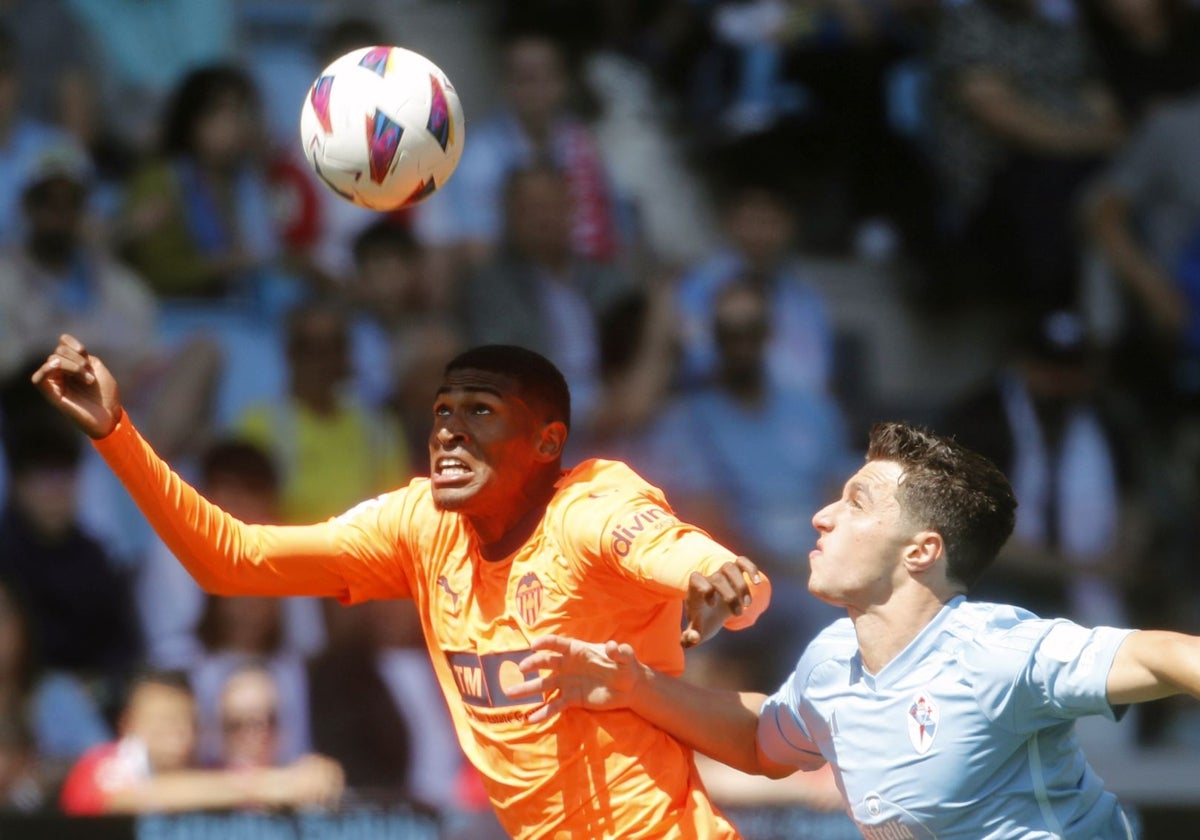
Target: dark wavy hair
195 97
952 490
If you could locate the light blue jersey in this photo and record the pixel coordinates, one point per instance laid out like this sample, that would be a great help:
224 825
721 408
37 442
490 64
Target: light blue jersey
968 733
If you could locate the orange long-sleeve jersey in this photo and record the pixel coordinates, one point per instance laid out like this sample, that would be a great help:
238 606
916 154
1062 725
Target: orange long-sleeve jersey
609 560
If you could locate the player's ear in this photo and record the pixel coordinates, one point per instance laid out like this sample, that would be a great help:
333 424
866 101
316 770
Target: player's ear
551 441
925 548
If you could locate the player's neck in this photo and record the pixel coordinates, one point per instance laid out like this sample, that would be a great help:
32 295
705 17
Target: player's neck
885 630
500 536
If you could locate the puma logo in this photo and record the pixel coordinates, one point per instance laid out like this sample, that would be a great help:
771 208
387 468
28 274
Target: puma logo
445 585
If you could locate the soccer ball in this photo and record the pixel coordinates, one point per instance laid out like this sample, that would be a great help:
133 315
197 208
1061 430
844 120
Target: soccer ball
382 127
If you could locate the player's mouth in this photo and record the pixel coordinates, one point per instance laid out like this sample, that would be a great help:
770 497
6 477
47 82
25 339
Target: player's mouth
449 471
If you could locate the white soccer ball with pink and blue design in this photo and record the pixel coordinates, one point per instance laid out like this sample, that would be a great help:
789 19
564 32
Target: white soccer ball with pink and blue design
382 127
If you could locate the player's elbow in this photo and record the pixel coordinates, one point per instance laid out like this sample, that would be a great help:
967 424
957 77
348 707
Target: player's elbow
764 765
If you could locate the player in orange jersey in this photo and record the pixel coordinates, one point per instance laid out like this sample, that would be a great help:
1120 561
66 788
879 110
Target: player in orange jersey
498 546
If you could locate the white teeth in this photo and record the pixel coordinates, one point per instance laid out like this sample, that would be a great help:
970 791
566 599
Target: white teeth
452 466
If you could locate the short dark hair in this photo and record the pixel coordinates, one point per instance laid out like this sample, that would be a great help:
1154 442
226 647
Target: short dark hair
951 489
540 382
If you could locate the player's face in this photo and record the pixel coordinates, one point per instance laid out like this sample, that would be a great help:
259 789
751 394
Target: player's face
483 448
860 540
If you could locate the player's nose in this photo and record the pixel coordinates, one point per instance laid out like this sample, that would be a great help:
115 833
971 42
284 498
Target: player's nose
447 432
823 519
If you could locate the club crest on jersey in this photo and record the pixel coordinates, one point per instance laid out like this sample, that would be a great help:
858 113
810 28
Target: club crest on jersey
529 598
924 716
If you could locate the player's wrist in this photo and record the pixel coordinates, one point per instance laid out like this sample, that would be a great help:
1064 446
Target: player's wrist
643 693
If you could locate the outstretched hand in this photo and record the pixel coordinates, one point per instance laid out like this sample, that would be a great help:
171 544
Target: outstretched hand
81 387
582 675
714 598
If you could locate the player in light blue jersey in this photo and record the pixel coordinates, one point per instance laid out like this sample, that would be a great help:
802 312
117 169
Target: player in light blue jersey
941 717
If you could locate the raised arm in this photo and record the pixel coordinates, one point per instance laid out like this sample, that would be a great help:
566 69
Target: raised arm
1151 664
720 724
223 554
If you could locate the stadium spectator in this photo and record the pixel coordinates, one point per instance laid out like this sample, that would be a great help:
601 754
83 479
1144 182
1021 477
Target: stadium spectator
37 29
465 226
22 139
236 633
331 451
198 223
54 280
151 768
396 739
499 543
740 420
1143 215
984 697
248 718
540 294
433 346
1021 121
1147 51
1077 459
760 238
78 603
145 55
240 477
389 299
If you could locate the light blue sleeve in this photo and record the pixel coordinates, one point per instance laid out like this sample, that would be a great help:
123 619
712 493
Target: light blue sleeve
1041 672
789 728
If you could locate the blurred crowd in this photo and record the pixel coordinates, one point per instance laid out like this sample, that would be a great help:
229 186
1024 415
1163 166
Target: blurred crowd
744 229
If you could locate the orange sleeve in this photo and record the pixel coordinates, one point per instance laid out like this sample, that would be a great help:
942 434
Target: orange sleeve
635 531
357 556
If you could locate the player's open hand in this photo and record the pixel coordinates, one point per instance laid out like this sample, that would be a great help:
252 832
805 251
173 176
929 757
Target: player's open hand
714 598
581 675
80 386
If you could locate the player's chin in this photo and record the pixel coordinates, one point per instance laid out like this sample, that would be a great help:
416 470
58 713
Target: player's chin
452 498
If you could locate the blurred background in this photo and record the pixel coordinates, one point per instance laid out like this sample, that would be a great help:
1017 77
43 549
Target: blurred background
744 229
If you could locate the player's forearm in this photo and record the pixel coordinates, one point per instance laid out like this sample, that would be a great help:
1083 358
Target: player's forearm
224 555
720 724
1152 664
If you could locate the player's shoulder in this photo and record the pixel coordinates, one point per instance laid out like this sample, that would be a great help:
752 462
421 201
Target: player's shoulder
831 652
599 495
984 621
605 482
995 639
414 500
